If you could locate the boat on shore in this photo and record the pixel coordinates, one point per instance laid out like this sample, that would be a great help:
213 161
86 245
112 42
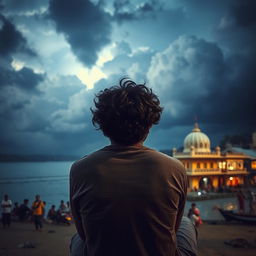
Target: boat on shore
232 216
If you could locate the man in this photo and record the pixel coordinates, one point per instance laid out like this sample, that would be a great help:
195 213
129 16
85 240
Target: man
127 199
24 211
38 212
63 207
52 214
194 215
6 206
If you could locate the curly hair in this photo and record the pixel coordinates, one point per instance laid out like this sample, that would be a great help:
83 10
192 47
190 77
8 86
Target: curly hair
126 112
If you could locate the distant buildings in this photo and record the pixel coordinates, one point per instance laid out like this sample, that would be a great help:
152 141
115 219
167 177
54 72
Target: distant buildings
208 169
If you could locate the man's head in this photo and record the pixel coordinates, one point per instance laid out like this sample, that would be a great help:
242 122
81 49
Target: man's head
126 112
37 197
6 197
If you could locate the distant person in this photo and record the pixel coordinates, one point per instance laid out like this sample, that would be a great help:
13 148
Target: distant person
194 215
52 214
127 199
241 200
250 198
191 210
195 218
68 207
15 211
38 210
24 211
62 207
6 206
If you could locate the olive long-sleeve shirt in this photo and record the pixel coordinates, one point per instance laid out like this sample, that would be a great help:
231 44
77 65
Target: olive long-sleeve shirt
128 200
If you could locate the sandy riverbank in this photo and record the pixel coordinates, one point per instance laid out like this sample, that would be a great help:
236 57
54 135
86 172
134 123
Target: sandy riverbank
56 242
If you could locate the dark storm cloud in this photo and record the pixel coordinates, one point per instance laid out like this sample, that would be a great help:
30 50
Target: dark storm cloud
244 13
11 40
126 11
25 78
193 77
237 28
86 27
23 5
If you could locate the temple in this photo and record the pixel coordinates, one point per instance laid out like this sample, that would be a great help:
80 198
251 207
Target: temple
207 169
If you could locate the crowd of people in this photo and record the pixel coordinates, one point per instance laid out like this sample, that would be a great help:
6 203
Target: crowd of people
36 212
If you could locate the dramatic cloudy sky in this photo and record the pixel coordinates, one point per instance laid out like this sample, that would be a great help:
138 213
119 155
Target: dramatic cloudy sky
199 56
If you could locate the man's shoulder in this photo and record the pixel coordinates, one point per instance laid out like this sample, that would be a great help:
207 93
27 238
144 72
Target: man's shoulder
166 159
87 161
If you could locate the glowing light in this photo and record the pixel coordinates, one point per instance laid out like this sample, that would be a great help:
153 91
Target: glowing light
17 65
230 178
204 179
90 76
199 193
105 55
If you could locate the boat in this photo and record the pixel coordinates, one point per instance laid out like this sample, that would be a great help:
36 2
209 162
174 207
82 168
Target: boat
230 215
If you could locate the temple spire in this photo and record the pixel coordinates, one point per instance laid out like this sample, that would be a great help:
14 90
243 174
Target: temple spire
196 127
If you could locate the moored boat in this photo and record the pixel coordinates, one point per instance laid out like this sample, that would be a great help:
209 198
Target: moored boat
230 215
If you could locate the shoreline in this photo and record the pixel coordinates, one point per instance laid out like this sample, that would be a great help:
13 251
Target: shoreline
54 239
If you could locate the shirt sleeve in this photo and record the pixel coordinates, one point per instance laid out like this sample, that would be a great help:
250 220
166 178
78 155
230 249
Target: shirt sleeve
182 200
74 205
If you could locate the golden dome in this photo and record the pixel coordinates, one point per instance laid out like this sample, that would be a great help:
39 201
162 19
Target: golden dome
197 140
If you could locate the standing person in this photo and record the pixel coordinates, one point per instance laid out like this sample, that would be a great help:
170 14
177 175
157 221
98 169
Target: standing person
68 207
38 211
194 215
127 199
191 210
240 199
250 198
6 206
24 211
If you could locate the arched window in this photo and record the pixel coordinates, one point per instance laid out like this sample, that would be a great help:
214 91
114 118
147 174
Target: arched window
196 145
206 145
201 145
211 165
198 166
205 165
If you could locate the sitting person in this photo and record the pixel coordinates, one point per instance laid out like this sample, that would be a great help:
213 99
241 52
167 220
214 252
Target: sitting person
128 199
52 214
63 207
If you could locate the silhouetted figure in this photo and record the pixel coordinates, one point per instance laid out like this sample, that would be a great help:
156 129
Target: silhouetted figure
6 206
38 210
127 199
15 211
241 200
24 211
52 214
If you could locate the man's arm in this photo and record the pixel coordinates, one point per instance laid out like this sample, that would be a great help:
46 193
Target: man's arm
74 207
182 201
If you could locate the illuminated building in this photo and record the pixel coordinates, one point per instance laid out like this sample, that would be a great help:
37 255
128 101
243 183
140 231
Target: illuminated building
208 169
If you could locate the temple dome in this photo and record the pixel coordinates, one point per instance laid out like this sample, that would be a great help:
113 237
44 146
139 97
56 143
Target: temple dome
197 140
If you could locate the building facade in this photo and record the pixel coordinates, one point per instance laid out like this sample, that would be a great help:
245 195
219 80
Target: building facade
207 169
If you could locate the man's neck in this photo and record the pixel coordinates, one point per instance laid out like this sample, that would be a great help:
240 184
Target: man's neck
138 144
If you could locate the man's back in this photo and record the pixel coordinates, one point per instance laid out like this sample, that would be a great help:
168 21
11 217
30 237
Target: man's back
128 200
